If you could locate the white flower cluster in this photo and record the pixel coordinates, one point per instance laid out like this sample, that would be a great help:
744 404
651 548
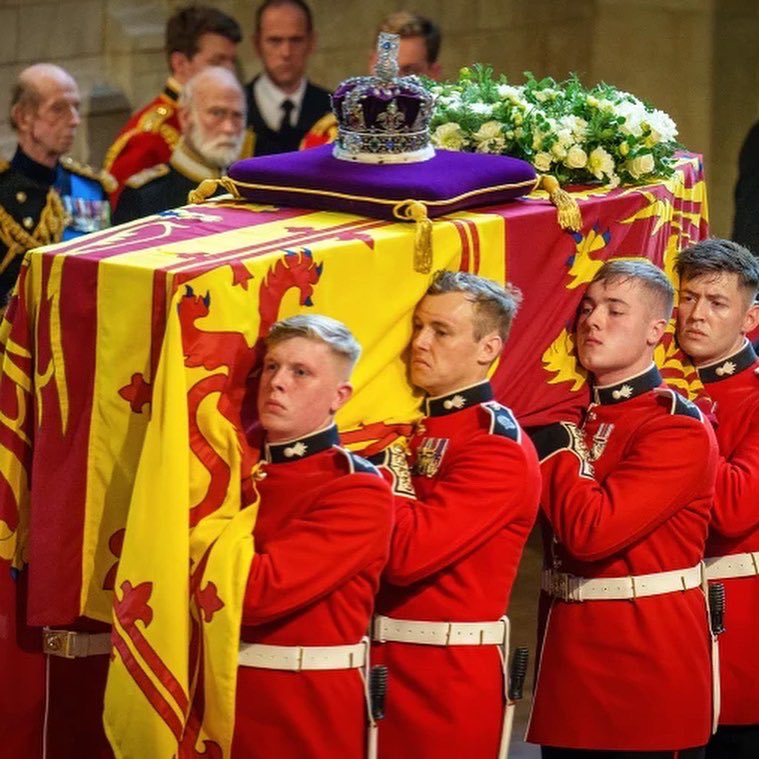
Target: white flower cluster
602 134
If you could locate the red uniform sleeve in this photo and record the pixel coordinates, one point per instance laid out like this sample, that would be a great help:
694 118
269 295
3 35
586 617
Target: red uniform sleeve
736 499
141 151
668 463
491 481
347 529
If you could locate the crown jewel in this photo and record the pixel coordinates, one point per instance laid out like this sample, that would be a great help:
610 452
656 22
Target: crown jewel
383 118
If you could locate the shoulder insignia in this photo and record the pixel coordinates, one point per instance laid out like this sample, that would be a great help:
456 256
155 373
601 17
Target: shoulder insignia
105 178
4 166
141 178
153 118
502 421
677 403
357 463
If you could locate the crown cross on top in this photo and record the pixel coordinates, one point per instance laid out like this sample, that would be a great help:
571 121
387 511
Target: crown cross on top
388 45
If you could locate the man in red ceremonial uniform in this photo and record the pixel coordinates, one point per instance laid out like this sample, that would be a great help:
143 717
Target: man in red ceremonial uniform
321 538
196 36
462 519
718 284
624 667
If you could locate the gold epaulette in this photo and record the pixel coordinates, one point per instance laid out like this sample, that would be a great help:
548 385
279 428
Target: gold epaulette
153 120
147 175
106 179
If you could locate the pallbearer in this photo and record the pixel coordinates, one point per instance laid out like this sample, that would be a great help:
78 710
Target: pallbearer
321 540
625 659
462 519
718 284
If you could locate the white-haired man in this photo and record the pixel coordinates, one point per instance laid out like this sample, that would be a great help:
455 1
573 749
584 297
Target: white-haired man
212 119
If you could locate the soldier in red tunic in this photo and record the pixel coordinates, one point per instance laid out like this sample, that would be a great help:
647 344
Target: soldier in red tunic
196 37
624 668
462 519
718 284
322 538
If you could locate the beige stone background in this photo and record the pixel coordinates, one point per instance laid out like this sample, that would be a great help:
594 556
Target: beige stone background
696 59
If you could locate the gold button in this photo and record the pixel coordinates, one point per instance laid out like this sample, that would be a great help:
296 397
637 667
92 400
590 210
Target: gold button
28 222
162 110
21 197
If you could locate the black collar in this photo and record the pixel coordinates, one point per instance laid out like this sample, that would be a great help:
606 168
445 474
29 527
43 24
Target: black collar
301 448
37 172
728 367
629 388
459 399
172 89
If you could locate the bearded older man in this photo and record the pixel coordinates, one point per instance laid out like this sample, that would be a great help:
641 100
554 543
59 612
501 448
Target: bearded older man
212 119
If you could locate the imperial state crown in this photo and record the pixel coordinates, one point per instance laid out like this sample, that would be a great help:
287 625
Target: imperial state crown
383 118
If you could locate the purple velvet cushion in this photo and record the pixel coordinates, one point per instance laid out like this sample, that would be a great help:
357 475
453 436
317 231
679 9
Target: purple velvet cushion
448 182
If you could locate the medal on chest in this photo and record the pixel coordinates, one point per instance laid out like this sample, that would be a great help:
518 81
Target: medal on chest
429 456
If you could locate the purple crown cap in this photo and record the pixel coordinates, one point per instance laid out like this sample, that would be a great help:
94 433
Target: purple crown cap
383 118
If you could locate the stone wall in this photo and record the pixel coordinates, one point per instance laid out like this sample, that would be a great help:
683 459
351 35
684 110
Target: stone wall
696 59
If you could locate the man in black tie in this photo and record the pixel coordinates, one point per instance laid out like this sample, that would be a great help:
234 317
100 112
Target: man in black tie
282 105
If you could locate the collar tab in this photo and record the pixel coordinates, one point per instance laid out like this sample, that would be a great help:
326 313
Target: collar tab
301 448
442 405
728 367
629 388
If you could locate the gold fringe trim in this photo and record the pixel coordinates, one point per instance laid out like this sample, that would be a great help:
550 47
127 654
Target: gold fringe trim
567 210
49 229
413 210
209 186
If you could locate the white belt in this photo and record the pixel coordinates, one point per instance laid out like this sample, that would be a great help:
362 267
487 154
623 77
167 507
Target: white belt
297 658
570 588
74 645
735 565
439 633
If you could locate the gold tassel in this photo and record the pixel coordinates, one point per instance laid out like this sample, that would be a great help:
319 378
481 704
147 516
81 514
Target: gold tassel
203 191
209 186
567 210
413 210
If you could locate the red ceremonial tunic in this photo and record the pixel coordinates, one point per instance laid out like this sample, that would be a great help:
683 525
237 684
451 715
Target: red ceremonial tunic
321 538
454 556
628 675
734 386
146 140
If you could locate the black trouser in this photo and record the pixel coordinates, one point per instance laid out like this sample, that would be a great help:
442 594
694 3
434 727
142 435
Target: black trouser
734 742
547 752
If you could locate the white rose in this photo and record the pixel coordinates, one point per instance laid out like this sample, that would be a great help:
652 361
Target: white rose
481 109
600 163
558 151
640 165
449 136
542 161
576 158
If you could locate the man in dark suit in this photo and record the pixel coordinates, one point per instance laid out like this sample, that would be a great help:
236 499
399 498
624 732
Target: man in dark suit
212 120
283 106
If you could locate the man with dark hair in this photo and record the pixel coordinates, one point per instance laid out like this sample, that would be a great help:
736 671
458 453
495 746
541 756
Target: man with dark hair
624 668
321 540
196 36
463 513
284 108
212 118
718 284
44 197
419 44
